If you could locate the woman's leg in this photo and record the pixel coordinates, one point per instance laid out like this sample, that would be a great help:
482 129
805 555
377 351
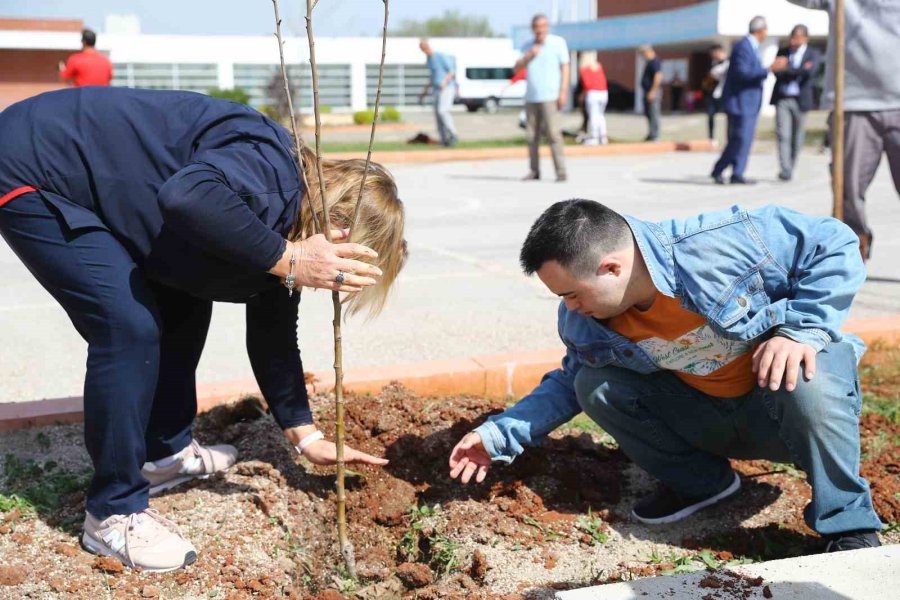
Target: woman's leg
602 101
185 323
107 298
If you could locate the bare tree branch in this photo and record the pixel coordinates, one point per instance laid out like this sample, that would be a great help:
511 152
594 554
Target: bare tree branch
290 103
362 185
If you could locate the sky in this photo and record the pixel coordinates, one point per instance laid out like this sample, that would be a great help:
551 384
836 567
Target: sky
255 17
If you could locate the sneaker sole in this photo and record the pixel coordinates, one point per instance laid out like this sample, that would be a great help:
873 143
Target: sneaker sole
689 510
94 547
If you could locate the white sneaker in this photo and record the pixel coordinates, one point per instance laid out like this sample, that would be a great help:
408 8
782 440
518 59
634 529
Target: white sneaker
146 539
195 461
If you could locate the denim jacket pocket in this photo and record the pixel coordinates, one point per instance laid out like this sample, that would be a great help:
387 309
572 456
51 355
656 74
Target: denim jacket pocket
741 311
593 355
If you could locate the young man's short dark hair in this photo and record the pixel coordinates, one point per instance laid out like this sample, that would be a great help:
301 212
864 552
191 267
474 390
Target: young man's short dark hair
576 234
88 38
716 47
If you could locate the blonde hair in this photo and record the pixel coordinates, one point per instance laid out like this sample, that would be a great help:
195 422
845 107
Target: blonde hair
587 60
380 224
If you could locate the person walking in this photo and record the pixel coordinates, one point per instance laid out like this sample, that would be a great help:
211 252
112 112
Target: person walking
651 85
712 86
442 81
87 67
741 98
594 97
792 97
871 101
690 342
172 201
546 58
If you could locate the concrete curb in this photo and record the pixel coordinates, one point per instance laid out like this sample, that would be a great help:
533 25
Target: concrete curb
499 376
521 152
867 574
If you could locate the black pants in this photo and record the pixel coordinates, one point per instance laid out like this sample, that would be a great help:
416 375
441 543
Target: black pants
144 343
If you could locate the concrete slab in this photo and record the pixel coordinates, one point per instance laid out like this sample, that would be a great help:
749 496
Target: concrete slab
869 574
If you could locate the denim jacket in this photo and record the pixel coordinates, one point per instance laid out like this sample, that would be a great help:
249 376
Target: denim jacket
751 274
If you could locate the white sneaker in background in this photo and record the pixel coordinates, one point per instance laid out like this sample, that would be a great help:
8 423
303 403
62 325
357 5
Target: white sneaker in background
195 461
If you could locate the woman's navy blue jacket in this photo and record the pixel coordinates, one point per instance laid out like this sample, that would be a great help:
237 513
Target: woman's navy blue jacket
200 191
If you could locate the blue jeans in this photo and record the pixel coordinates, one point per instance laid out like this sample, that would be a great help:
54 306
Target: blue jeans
684 437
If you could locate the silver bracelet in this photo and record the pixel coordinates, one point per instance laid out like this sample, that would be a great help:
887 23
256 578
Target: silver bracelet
290 282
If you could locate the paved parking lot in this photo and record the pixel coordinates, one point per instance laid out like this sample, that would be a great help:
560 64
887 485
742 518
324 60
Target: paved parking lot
462 293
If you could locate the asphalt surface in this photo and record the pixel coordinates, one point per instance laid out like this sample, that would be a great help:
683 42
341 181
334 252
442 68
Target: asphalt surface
462 293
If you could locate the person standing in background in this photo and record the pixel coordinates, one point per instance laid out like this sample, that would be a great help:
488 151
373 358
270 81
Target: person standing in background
651 85
87 67
741 98
793 98
871 100
442 81
594 97
547 59
713 84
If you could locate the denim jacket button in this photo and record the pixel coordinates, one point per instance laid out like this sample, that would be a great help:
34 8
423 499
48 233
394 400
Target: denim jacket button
628 353
742 302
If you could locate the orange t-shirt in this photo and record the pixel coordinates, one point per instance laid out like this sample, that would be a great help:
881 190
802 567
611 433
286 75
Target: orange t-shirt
681 341
88 68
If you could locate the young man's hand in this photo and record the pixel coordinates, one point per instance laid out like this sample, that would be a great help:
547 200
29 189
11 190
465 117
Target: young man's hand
780 358
469 457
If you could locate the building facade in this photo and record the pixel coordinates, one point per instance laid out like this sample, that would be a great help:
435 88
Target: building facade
30 51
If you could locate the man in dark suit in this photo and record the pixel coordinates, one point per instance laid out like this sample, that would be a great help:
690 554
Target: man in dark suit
741 100
793 97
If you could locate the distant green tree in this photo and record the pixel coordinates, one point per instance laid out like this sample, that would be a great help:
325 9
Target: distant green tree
451 24
235 95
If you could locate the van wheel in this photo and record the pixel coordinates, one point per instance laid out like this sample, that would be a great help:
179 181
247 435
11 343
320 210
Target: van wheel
472 107
491 105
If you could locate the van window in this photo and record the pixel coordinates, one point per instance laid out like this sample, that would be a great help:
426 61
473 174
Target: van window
476 73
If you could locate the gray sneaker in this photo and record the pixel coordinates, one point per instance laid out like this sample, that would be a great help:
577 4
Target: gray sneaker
195 461
146 539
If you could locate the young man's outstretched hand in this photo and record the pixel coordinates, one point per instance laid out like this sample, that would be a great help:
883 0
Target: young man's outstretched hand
469 457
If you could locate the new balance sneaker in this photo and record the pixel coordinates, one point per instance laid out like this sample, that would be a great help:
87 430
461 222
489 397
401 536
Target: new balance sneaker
852 540
146 539
195 461
667 506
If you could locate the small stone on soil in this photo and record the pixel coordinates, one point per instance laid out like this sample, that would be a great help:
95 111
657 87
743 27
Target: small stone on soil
479 567
107 564
12 575
414 575
150 591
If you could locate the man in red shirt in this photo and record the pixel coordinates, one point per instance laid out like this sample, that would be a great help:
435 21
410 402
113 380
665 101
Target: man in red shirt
87 67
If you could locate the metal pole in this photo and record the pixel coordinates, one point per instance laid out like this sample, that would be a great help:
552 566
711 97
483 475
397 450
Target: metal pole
837 137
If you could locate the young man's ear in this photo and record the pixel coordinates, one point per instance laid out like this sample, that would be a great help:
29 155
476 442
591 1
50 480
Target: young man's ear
609 265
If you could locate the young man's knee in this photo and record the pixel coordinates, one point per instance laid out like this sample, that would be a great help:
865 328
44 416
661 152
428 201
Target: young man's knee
815 403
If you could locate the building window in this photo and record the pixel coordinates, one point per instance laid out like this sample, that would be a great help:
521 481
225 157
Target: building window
166 76
257 80
402 84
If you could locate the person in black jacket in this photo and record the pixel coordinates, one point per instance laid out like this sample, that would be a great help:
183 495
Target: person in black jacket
138 209
793 97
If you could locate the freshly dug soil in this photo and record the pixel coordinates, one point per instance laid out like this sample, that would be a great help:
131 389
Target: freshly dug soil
555 519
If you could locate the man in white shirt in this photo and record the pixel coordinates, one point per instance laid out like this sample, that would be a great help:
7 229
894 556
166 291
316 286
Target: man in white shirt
546 58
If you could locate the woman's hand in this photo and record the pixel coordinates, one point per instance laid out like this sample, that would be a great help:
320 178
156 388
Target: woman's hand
318 263
323 452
